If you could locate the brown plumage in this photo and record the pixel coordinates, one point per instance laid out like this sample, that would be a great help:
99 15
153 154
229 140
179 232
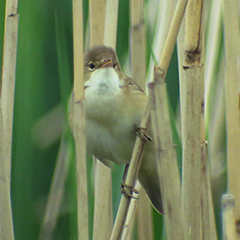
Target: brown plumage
114 108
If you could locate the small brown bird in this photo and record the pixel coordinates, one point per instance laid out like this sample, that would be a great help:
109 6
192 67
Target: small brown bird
114 108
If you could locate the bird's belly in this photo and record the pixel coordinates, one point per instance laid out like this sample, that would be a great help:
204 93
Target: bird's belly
104 143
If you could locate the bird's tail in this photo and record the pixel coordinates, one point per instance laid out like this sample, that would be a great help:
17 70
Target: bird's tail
150 181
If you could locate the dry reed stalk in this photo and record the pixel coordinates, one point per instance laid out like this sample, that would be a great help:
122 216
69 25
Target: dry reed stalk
138 42
6 224
164 18
166 156
8 76
139 144
144 217
6 115
110 33
232 51
138 66
214 94
131 216
96 21
208 228
103 216
171 189
56 193
191 89
228 218
212 50
130 179
79 121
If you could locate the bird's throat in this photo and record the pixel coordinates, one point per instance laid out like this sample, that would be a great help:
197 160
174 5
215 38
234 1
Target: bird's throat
104 81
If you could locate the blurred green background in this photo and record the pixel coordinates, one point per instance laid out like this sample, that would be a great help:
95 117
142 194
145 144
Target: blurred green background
43 80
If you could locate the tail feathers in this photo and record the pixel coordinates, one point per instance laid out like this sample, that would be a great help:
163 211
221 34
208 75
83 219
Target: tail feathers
149 179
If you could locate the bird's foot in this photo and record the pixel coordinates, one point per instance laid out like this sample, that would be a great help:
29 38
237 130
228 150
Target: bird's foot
129 191
141 133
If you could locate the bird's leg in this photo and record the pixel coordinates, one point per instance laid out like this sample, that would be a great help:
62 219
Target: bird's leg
126 189
141 133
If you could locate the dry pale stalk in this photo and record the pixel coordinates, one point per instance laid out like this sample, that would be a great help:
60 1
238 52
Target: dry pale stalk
138 65
191 89
79 121
138 42
110 34
208 227
139 144
103 217
8 76
130 179
232 91
97 21
129 224
6 116
144 217
229 225
164 18
6 224
166 155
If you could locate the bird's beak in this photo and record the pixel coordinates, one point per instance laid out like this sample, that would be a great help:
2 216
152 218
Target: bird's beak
107 63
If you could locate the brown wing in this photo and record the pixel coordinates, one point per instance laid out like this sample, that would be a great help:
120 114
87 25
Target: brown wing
134 86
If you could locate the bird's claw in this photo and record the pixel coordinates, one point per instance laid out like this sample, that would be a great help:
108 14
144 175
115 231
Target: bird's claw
129 191
142 135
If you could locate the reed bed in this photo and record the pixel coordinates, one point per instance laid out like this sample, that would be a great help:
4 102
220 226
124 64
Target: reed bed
46 193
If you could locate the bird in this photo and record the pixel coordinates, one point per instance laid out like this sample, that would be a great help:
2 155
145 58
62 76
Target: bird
114 106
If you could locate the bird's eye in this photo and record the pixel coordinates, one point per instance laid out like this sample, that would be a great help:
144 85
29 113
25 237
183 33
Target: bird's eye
115 66
91 66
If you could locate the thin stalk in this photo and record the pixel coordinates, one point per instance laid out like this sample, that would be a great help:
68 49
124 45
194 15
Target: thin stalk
6 115
131 216
130 179
228 209
208 226
103 216
144 217
191 90
79 121
110 33
97 10
56 193
138 42
166 156
212 51
139 144
163 22
232 90
138 65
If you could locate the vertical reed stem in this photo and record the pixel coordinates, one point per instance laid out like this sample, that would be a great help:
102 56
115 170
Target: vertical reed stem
79 121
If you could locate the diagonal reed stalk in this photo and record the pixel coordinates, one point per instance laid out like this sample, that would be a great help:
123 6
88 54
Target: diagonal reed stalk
56 192
232 51
79 121
130 179
145 123
6 115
